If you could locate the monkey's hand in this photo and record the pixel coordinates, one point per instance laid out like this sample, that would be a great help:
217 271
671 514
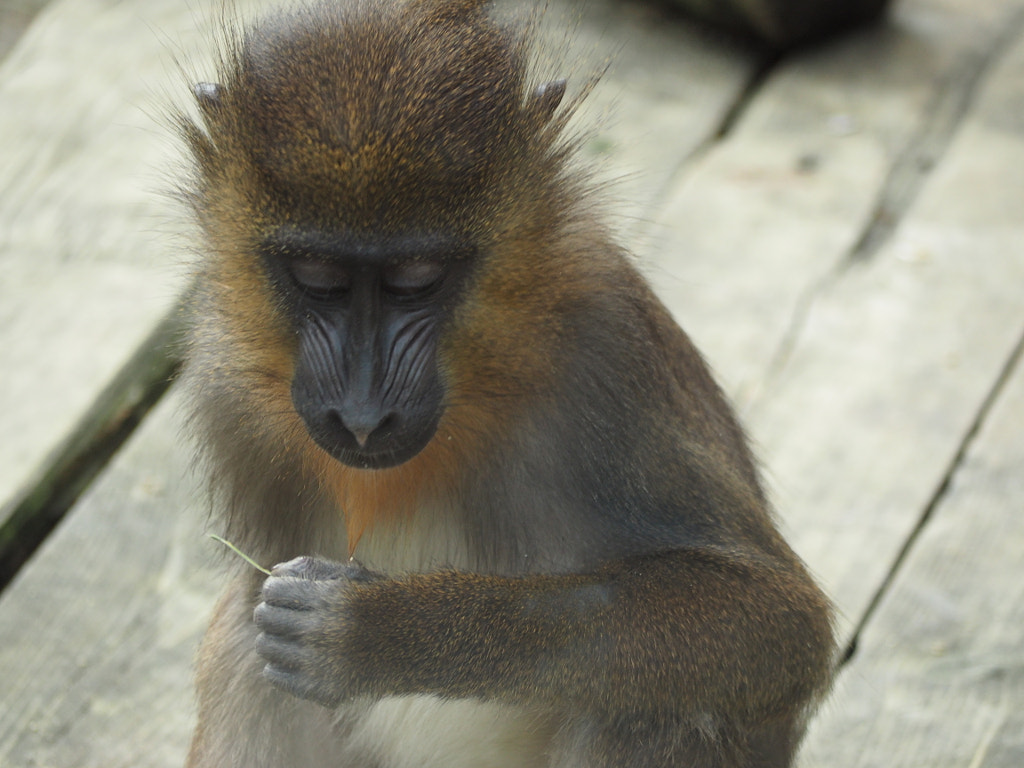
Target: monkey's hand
298 623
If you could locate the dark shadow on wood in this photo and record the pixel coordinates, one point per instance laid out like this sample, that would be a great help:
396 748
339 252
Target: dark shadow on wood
15 18
38 508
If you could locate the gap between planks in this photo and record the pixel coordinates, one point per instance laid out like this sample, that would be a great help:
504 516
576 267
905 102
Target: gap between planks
30 516
941 491
929 143
731 117
907 176
905 180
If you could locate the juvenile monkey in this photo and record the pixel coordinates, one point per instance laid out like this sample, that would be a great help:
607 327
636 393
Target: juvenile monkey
415 342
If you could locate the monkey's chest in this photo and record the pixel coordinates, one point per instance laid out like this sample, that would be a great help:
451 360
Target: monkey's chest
425 731
431 538
429 732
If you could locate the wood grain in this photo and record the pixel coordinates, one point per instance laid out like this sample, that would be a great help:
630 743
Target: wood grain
864 373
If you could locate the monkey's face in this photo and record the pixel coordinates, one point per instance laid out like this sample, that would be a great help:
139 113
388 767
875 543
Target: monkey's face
367 316
348 174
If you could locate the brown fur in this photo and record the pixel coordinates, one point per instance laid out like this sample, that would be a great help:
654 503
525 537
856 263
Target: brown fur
580 568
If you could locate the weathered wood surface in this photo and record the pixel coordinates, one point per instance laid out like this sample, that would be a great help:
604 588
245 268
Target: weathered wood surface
850 255
87 261
937 678
858 372
97 635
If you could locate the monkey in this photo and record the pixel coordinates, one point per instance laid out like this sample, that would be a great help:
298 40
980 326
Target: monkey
515 520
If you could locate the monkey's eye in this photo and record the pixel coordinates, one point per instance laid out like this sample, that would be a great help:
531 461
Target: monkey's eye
320 278
411 278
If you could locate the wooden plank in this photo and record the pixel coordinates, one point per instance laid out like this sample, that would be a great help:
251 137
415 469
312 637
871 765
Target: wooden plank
897 355
87 267
937 677
858 378
30 515
97 636
751 232
98 630
933 682
668 90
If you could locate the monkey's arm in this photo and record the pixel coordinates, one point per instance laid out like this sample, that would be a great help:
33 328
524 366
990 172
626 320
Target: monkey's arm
682 632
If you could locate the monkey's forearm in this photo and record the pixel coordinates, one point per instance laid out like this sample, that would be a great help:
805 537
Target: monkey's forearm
460 635
686 629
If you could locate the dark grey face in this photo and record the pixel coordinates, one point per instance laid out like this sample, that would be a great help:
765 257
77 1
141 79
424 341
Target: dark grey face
368 317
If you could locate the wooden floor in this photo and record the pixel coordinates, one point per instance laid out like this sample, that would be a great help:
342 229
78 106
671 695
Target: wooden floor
841 231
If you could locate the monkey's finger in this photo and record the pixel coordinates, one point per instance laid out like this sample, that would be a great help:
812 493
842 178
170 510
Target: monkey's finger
354 571
297 566
290 592
317 569
287 654
284 622
325 570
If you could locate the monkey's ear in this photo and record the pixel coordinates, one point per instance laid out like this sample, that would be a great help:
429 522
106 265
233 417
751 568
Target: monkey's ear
208 95
547 97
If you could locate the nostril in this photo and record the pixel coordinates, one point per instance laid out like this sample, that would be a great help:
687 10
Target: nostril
333 420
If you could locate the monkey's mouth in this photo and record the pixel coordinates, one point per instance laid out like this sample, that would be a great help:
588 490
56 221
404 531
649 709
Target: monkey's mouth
363 460
380 450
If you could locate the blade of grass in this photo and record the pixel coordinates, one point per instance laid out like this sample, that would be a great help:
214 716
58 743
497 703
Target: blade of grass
240 553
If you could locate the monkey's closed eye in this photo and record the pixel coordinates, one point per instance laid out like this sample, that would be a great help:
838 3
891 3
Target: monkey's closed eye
411 278
320 278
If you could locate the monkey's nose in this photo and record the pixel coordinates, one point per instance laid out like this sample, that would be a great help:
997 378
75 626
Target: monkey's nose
362 423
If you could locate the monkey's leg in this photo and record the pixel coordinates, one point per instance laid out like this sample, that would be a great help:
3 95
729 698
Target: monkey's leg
643 742
243 721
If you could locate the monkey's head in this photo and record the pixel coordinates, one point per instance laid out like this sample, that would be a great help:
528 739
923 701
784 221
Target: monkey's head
356 168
